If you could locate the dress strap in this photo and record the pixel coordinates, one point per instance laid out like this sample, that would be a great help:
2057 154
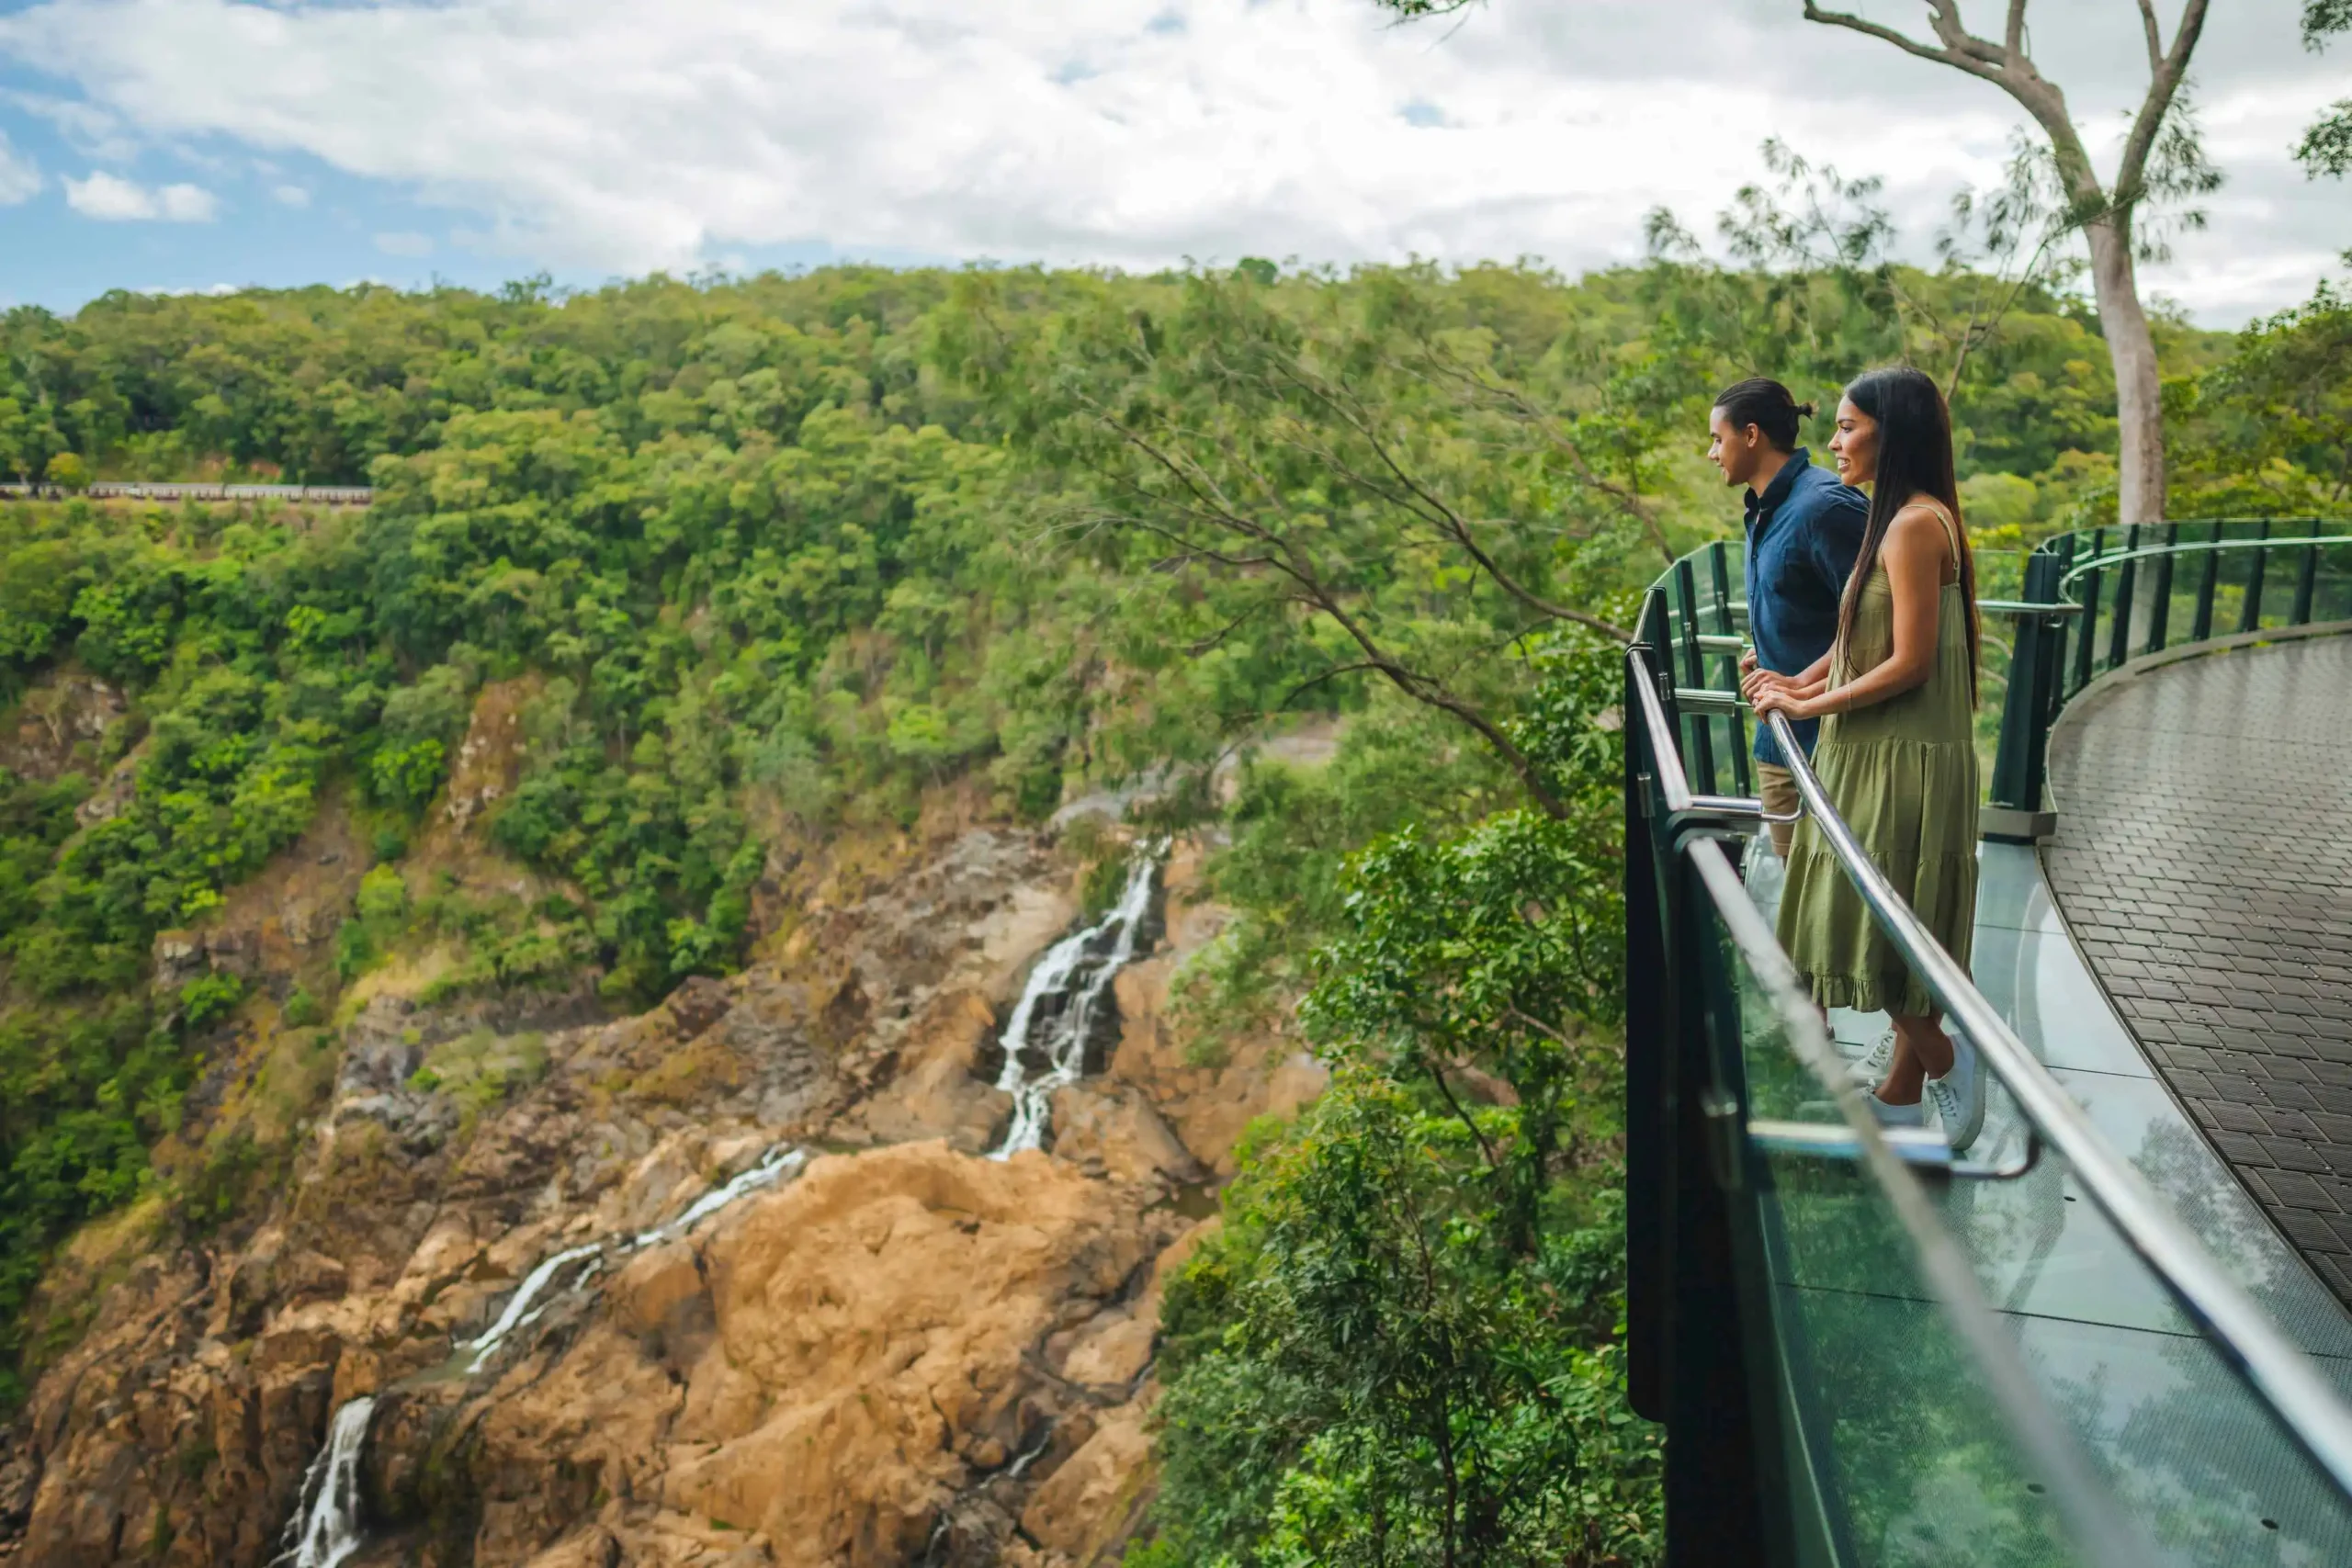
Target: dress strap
1944 516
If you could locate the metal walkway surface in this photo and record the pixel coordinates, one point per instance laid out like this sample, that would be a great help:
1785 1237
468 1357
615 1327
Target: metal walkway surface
2203 860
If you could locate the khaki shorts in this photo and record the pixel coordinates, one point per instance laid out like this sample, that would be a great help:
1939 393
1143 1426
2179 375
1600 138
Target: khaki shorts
1778 786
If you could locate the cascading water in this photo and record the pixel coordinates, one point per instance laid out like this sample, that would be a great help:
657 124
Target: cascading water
774 1166
518 1310
326 1528
1044 1053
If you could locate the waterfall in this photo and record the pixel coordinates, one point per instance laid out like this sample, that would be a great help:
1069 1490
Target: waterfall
1077 973
774 1166
518 1312
325 1526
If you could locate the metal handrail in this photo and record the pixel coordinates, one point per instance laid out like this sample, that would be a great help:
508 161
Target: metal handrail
2089 564
2281 1376
2028 607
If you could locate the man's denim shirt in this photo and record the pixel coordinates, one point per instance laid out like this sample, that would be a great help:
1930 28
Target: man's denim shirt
1804 533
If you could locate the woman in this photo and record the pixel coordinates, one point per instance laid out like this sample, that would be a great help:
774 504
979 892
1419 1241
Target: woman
1896 693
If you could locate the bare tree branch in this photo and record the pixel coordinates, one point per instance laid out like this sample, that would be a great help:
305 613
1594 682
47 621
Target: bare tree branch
2149 25
1944 54
1629 502
2013 36
2165 74
1437 1072
1444 516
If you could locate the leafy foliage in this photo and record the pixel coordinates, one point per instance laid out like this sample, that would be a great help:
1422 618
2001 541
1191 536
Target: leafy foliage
752 562
1401 1348
2326 146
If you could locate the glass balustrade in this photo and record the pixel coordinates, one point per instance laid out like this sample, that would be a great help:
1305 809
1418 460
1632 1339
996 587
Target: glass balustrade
2059 1350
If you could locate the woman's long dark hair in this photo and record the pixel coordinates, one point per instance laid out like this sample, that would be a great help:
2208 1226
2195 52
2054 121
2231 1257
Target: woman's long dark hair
1914 461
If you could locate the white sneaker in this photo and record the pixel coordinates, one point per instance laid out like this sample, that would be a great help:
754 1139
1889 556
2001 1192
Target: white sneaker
1914 1115
1870 1069
1959 1097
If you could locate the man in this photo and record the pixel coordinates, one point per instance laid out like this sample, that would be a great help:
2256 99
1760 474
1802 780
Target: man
1805 530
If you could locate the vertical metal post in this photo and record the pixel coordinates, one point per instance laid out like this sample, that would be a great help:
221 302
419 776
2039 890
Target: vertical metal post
1718 1070
1683 1367
1694 674
2160 596
2250 613
2054 674
2118 641
1717 1507
2025 709
2201 625
2306 582
1718 569
2085 637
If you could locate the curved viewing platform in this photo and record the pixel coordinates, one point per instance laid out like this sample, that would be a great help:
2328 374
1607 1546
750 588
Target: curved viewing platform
2114 1329
2203 859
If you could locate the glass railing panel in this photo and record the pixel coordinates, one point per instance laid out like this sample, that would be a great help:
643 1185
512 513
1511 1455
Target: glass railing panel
1898 1451
2165 1418
2168 1421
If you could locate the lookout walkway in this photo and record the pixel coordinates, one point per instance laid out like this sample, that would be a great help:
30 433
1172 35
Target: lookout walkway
2203 861
2115 1328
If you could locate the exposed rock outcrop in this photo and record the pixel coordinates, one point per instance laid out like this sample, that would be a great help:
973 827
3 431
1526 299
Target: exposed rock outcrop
59 726
898 1352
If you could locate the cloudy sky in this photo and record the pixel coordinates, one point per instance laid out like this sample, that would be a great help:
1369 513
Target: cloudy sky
203 144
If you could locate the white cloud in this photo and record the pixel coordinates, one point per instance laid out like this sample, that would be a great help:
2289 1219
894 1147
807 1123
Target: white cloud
611 135
290 196
405 243
19 175
103 195
187 204
87 129
113 200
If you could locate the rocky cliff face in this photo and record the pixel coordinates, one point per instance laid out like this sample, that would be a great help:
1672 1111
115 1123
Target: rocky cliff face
730 1282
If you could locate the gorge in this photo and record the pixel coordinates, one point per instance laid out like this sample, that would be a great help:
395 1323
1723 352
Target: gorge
883 919
653 1322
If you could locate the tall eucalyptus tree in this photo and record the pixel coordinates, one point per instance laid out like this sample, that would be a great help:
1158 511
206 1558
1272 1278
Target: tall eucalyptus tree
2160 158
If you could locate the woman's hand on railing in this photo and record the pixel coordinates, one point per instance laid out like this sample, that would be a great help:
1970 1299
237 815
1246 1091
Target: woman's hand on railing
1790 699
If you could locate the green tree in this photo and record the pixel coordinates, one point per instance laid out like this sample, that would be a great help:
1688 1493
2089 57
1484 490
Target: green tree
2326 147
2161 159
1360 1376
67 471
1332 464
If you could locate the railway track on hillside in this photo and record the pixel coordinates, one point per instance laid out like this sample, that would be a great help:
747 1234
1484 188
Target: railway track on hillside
132 490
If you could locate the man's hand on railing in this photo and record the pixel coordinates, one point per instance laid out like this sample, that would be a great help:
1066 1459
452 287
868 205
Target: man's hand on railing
1768 691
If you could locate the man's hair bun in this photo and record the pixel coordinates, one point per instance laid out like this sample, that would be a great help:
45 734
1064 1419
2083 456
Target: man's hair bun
1805 410
1766 404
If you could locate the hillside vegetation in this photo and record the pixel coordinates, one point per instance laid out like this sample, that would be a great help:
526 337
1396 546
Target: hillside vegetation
757 563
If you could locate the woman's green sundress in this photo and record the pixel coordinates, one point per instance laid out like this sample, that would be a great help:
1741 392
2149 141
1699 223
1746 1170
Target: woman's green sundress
1903 774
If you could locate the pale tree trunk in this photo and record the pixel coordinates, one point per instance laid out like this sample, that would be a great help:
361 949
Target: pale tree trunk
2139 393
